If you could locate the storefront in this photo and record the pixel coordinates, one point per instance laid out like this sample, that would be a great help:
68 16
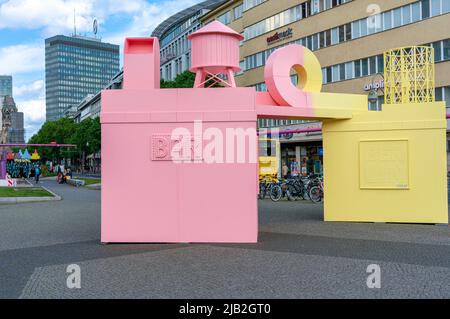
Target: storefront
303 158
302 152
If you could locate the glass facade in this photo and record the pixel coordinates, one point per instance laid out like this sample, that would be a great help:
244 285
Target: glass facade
175 49
74 68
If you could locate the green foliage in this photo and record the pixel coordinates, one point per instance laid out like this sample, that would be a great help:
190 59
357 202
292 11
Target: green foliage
87 137
58 131
183 80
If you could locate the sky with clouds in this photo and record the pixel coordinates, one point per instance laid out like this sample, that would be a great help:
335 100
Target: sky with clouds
24 25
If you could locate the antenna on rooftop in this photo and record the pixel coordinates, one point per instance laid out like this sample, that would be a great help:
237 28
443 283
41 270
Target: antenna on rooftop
74 23
95 27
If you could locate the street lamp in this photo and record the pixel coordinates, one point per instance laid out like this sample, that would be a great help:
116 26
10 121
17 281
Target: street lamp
373 93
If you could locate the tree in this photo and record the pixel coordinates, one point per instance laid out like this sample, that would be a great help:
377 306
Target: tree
58 131
183 80
94 136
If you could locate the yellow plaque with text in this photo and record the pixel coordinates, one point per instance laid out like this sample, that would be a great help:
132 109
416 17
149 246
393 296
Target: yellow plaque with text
384 164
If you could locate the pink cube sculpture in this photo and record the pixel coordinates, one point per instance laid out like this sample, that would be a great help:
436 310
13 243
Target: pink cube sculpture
181 165
146 195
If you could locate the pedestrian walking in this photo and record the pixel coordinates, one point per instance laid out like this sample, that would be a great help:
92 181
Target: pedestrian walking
37 173
285 171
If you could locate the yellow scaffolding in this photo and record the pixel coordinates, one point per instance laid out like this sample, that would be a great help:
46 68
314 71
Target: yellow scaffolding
409 75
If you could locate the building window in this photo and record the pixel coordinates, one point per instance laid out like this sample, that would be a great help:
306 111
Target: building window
364 67
372 24
315 42
415 10
321 39
373 65
397 17
447 96
356 33
425 9
335 71
225 18
446 49
387 20
328 38
238 11
380 60
406 13
188 60
349 70
363 27
248 4
342 71
329 75
348 32
357 68
438 94
445 6
341 33
437 51
334 36
436 7
301 11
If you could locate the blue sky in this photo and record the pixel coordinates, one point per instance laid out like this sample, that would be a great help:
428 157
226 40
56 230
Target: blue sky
24 24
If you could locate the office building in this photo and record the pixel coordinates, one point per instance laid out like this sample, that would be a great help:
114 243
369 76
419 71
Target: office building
348 37
74 68
5 86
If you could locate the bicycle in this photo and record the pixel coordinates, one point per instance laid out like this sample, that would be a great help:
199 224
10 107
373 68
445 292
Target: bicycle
316 193
265 185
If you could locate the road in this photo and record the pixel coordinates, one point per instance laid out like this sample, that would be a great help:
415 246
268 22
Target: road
298 256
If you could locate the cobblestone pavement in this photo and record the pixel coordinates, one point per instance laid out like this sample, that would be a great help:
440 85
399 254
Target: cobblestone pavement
297 256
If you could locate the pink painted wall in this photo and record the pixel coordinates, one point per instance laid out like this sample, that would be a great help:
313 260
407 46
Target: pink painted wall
146 198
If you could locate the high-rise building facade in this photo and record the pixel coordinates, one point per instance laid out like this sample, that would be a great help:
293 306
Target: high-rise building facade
172 33
17 131
5 86
347 36
74 68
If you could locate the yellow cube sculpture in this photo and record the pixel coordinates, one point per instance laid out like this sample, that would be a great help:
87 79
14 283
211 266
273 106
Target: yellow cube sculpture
379 166
387 166
390 165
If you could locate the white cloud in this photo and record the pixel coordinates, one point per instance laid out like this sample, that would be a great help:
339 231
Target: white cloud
22 58
37 87
151 15
57 16
34 114
30 99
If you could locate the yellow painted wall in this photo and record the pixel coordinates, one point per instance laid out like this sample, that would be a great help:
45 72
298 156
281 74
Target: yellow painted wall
410 183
